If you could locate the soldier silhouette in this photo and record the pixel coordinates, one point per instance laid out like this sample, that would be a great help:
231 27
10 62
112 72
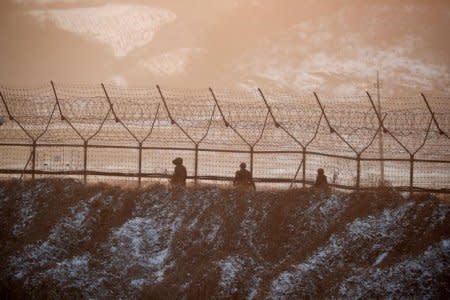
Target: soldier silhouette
321 180
243 178
179 174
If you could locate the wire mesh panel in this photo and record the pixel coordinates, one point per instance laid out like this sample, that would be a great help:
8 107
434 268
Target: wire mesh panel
391 148
247 123
410 124
277 165
370 173
60 132
436 147
31 109
113 160
222 164
339 171
297 115
159 161
431 175
11 132
396 173
276 139
191 110
84 107
59 159
439 106
329 142
113 133
135 110
119 128
352 118
14 157
221 137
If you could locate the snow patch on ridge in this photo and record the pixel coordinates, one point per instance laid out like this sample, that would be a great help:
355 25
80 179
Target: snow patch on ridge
383 229
392 282
27 209
71 231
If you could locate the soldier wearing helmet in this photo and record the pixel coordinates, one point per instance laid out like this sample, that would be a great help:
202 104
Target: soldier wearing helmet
243 178
179 175
321 179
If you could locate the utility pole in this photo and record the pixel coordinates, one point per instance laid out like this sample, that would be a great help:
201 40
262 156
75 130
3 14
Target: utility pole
380 136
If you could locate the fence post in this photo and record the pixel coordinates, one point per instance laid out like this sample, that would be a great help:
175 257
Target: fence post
140 165
358 170
251 160
411 174
304 167
85 147
33 162
196 164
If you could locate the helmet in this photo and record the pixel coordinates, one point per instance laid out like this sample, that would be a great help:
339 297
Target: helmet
177 161
320 171
243 165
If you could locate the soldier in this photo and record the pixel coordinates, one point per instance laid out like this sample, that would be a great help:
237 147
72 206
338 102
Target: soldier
321 180
179 174
243 178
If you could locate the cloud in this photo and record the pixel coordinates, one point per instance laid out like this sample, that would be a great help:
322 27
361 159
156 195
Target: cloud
172 62
122 27
42 2
323 56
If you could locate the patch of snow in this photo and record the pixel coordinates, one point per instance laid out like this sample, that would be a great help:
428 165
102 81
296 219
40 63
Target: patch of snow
382 229
70 231
27 209
230 268
192 224
138 283
380 258
70 269
27 212
395 281
145 243
33 256
215 227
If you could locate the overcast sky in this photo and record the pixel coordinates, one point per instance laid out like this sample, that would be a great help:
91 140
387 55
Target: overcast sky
336 46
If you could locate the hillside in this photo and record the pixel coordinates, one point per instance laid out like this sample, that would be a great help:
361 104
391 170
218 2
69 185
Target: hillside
62 239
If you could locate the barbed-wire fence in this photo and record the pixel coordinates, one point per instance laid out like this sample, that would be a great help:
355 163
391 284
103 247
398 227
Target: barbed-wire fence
103 132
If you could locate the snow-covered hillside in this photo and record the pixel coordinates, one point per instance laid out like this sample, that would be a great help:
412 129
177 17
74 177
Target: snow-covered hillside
62 239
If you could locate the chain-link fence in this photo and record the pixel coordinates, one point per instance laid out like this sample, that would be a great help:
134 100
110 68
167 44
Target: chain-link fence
107 132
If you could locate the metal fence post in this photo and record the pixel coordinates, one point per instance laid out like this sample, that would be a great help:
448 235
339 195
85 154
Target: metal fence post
85 147
33 162
196 164
358 171
251 160
140 165
411 173
304 167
